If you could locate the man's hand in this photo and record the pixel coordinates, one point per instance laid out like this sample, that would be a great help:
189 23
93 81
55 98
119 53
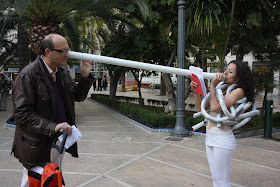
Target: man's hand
85 67
65 126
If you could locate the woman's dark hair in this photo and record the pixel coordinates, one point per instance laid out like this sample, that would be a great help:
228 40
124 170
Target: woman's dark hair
245 79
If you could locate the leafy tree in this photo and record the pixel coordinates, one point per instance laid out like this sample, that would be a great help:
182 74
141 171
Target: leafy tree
7 42
112 49
255 29
203 19
60 16
147 43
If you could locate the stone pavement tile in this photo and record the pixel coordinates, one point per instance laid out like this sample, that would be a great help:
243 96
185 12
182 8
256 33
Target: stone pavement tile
249 165
107 181
91 117
258 156
260 143
74 180
103 126
150 172
6 132
123 136
190 159
8 145
5 140
125 148
10 178
9 162
6 136
251 174
94 163
102 136
276 136
193 142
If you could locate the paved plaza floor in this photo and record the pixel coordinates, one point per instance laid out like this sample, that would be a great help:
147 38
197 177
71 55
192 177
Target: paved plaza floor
116 151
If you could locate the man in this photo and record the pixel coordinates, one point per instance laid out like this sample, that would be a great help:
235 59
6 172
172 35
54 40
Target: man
43 101
99 83
3 92
94 83
104 83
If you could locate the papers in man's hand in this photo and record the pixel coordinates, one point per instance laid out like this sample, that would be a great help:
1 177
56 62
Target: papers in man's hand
197 77
76 134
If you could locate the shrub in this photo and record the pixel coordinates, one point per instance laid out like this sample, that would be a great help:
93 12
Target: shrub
155 116
191 121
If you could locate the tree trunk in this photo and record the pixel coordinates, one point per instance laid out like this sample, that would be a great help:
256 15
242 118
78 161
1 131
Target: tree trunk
114 78
123 82
23 42
170 108
239 53
239 56
188 88
267 89
228 35
162 86
141 100
264 98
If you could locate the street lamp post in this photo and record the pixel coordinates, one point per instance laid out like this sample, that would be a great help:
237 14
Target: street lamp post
180 129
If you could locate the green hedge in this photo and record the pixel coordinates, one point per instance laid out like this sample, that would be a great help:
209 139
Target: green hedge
151 115
156 117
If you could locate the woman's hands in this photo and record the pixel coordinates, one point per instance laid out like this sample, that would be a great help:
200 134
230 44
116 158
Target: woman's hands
193 84
197 98
219 77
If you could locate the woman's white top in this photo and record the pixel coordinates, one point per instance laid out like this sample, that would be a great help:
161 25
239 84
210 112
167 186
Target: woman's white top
219 137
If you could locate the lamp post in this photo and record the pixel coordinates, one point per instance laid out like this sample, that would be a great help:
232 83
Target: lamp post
268 116
180 129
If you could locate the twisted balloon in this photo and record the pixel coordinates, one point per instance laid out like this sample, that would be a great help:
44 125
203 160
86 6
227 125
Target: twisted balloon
237 117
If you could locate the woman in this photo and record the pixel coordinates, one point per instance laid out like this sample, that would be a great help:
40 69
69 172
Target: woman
220 142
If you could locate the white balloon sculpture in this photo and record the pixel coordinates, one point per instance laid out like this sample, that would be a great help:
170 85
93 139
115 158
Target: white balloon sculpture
237 117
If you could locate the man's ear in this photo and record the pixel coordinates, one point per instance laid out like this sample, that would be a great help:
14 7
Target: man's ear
47 51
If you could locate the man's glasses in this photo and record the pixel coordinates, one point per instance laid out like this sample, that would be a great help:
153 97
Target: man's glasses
63 51
230 70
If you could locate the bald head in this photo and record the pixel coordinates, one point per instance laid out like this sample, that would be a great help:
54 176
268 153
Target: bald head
50 41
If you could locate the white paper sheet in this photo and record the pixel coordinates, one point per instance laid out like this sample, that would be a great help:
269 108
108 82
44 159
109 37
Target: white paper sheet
76 134
199 73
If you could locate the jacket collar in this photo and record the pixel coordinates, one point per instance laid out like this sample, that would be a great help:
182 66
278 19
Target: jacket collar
43 71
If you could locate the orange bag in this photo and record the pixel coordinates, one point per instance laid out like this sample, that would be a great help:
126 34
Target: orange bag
51 177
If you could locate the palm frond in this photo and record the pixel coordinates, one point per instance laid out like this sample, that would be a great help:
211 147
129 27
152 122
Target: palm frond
71 31
8 22
202 17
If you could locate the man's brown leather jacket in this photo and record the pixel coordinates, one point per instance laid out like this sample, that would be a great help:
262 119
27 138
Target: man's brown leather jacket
34 110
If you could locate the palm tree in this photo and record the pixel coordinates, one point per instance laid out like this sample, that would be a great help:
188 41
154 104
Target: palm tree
203 16
42 17
23 52
49 16
7 43
94 31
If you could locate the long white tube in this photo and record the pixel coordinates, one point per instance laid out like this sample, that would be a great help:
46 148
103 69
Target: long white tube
135 64
171 70
199 125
